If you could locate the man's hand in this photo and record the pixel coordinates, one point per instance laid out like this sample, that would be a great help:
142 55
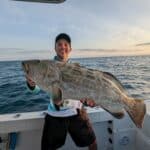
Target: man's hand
30 81
88 102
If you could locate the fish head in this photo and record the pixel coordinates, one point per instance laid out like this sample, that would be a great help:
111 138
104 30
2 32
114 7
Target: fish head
31 67
43 72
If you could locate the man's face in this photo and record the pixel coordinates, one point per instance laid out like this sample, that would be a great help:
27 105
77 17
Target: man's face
62 48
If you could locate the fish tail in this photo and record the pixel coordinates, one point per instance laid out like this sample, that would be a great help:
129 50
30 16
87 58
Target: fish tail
136 109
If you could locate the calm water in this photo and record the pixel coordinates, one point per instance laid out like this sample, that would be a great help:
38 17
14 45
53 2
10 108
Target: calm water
133 72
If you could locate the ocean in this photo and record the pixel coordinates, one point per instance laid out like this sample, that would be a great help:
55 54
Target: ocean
132 71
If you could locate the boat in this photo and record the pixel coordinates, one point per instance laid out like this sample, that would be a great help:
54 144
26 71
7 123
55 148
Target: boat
23 131
43 1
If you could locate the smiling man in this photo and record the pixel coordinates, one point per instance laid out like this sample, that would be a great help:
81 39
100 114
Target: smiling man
75 121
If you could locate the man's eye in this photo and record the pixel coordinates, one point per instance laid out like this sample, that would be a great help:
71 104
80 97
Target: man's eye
60 44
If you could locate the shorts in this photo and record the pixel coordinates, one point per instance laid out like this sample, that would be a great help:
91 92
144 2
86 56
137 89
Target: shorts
56 128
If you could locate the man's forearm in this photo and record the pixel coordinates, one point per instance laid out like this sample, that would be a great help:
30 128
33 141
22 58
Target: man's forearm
30 87
33 89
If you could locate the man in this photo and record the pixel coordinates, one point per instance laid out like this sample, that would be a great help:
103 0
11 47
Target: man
56 126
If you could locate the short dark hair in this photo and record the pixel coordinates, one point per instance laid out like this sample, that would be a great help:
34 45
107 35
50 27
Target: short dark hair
63 36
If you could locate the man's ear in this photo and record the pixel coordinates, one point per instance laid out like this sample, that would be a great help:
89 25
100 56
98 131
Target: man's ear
55 49
70 48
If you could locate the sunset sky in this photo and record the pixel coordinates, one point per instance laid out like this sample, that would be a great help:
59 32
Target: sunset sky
102 28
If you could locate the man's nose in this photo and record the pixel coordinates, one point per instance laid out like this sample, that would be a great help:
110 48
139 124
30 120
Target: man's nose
63 46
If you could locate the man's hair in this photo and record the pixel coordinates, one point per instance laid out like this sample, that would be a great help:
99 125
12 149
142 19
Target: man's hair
63 36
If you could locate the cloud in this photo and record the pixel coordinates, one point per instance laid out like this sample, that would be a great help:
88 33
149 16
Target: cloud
143 44
102 24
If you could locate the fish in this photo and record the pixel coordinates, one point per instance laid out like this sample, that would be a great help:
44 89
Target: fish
73 81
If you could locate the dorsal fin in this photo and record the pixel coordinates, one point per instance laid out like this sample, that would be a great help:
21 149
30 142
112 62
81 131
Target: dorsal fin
77 64
60 64
114 79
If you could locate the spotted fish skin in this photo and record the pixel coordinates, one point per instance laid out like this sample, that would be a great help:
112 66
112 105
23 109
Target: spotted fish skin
70 80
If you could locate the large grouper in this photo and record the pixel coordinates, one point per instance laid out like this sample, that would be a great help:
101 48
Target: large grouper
72 81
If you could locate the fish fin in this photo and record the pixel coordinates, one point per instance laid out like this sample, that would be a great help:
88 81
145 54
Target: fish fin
60 64
117 113
114 79
136 109
56 93
77 64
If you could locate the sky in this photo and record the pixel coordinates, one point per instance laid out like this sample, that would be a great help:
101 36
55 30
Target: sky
97 28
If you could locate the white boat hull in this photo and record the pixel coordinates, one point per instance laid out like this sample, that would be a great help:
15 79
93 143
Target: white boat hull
111 133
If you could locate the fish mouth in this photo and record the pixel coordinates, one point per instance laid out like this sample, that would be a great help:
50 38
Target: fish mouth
26 64
25 67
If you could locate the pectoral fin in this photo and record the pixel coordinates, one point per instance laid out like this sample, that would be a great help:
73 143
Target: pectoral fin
56 94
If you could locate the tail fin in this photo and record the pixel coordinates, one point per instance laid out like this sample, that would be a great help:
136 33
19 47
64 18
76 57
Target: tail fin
136 110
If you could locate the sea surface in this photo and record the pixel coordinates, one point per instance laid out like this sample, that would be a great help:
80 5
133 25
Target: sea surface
133 72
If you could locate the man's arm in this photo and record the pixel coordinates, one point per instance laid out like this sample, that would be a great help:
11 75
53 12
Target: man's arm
88 102
32 87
